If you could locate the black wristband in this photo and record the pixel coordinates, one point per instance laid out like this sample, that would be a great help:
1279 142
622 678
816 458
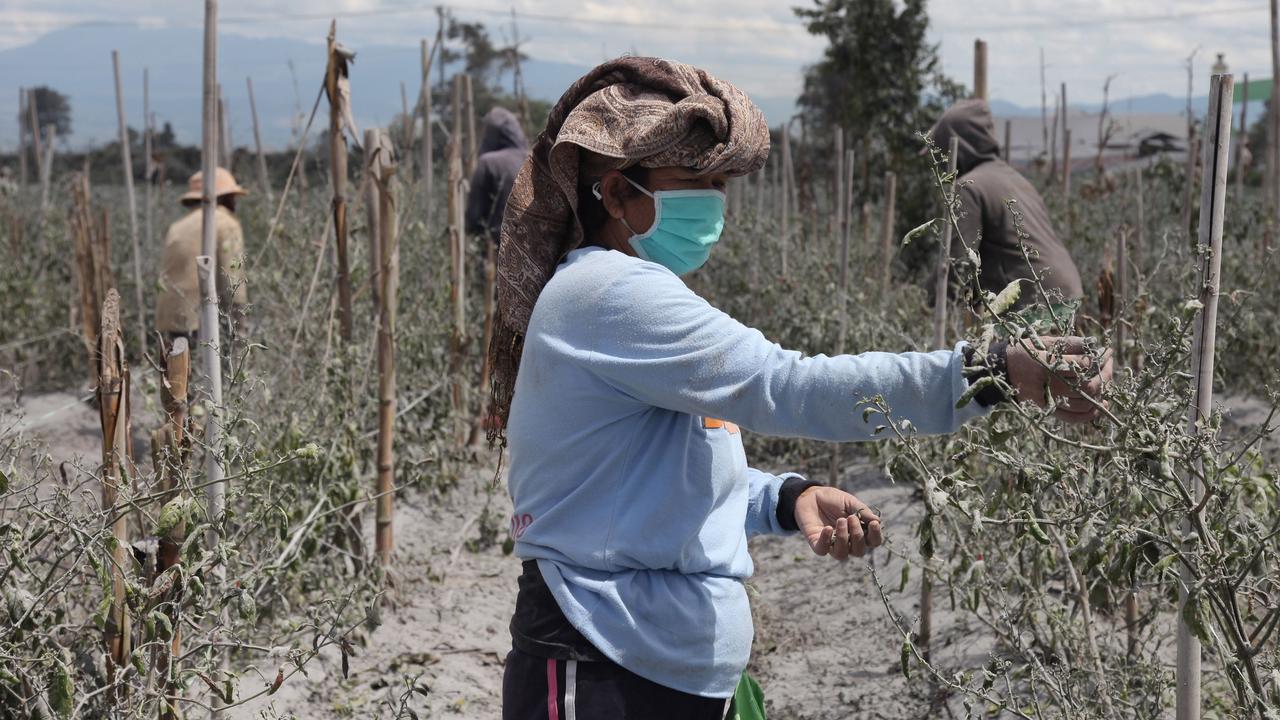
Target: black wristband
787 496
995 364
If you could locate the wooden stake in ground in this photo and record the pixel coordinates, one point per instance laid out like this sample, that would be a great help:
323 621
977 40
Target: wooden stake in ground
113 408
1140 236
92 249
46 165
1273 127
470 116
1212 208
1053 144
22 137
209 332
133 206
371 203
785 235
407 122
1242 140
980 69
940 303
1044 107
33 120
1066 176
383 168
1008 134
428 144
886 231
490 287
170 449
458 255
147 150
257 144
338 88
844 183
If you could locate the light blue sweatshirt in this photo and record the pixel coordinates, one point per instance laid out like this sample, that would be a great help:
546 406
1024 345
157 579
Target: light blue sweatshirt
628 477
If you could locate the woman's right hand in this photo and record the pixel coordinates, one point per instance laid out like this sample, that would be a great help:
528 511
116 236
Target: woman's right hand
1072 379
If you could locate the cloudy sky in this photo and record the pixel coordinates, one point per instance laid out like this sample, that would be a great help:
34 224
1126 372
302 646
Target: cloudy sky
757 43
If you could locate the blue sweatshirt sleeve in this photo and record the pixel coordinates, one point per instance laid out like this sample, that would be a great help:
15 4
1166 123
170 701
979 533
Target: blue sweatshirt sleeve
654 339
762 503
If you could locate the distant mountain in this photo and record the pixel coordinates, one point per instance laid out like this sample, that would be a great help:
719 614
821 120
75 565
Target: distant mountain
77 62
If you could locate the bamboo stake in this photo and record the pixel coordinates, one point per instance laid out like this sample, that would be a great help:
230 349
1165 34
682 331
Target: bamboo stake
1273 127
844 183
1053 144
383 166
1066 176
458 255
1212 208
224 152
838 196
170 446
22 137
336 70
147 150
886 231
46 166
1008 134
209 330
980 69
428 144
257 143
371 211
406 123
490 285
470 100
1242 141
133 205
113 408
33 119
1140 237
786 195
940 303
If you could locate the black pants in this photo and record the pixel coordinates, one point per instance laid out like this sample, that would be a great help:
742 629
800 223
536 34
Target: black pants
535 688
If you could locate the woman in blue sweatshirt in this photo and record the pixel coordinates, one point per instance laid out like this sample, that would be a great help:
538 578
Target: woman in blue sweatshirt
624 393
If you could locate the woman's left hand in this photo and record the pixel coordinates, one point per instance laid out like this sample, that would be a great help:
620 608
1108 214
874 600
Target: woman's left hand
837 523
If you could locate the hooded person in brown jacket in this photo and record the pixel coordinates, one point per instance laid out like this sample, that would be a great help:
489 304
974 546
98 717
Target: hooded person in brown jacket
178 305
986 221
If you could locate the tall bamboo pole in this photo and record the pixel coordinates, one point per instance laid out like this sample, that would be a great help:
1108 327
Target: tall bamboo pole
470 110
147 150
886 231
458 255
844 186
335 70
1189 181
224 148
786 194
372 208
1008 135
940 304
1053 141
46 166
113 408
1212 207
209 331
33 119
22 137
980 69
257 144
1273 128
170 448
1044 106
133 205
1066 175
1242 141
428 143
383 166
1140 237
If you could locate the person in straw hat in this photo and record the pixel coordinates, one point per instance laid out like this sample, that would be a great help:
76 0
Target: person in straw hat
623 393
178 305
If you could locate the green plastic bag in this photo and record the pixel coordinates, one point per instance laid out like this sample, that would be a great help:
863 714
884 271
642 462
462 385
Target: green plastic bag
748 700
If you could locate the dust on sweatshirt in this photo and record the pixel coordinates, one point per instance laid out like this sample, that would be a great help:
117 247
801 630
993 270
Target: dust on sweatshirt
628 477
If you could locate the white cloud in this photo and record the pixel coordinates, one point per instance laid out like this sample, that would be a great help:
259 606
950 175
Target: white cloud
759 44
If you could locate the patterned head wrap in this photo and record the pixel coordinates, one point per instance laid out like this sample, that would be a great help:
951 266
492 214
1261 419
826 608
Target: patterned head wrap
629 111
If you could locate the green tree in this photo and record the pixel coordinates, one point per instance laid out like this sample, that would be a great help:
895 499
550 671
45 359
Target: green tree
879 80
52 108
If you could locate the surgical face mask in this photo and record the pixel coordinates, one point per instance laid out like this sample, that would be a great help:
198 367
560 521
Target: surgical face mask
686 225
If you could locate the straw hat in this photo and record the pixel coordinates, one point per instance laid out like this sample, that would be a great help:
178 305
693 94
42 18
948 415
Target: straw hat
225 184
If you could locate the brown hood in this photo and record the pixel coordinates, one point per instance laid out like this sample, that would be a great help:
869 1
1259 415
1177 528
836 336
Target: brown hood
971 121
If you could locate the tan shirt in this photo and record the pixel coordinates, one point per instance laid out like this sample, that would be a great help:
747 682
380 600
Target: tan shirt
178 307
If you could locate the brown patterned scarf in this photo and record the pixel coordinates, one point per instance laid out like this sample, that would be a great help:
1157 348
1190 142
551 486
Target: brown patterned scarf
632 110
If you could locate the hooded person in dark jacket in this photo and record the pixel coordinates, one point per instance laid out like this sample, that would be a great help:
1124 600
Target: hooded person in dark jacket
986 220
502 151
